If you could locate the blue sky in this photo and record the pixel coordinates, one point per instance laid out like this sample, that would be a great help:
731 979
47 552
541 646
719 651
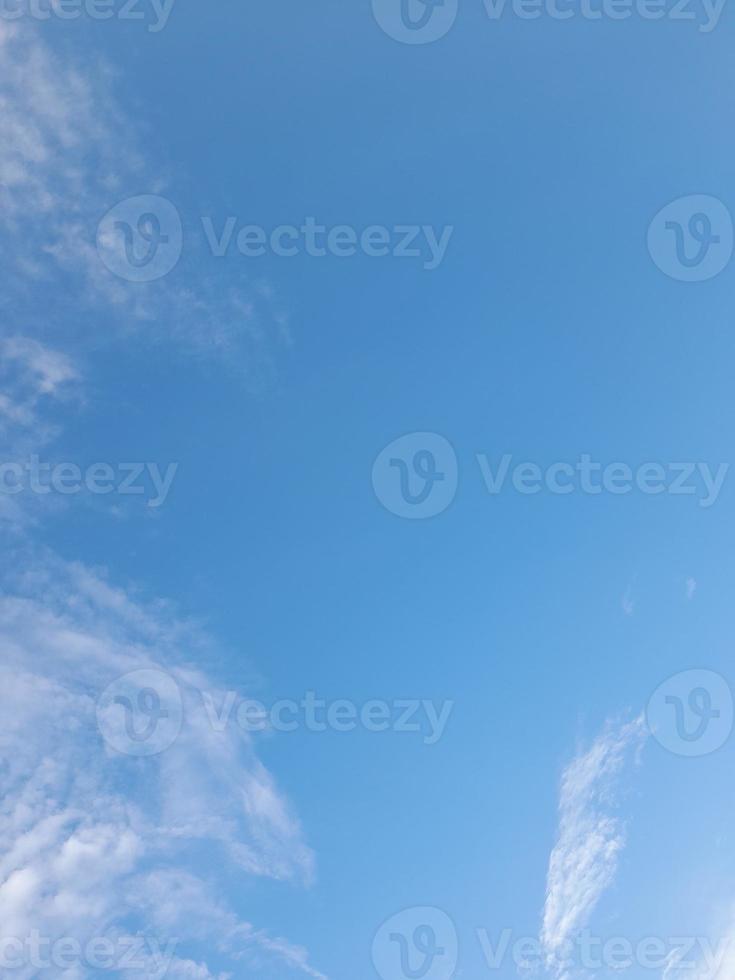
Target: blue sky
267 406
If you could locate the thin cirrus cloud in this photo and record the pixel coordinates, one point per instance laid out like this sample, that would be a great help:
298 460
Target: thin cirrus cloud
627 601
584 861
716 960
31 375
68 154
35 381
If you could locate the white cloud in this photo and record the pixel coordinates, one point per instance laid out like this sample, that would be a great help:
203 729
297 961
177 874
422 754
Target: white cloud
46 370
628 602
710 960
68 154
88 836
32 376
585 858
175 900
691 587
95 842
34 381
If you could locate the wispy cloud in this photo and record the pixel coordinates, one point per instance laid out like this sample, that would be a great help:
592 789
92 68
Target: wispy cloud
584 861
627 601
716 960
691 587
44 370
69 152
178 902
34 381
95 842
32 374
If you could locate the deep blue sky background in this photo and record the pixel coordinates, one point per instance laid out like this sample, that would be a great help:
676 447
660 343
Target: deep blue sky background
547 332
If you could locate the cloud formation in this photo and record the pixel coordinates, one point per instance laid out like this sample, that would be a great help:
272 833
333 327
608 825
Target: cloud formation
69 153
101 844
31 375
591 837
